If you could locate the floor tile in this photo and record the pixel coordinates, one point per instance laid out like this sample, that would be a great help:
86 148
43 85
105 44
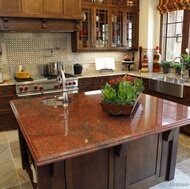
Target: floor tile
18 163
15 149
8 176
184 167
184 140
22 176
12 135
3 138
183 153
15 187
181 181
5 152
27 185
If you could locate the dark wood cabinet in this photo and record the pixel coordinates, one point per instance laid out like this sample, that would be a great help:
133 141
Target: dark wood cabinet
85 84
40 15
108 25
99 82
94 83
7 118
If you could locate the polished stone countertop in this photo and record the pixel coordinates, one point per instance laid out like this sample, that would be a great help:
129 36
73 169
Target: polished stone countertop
147 75
54 134
7 82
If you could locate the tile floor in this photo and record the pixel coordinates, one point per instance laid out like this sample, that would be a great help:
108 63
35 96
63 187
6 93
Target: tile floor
13 177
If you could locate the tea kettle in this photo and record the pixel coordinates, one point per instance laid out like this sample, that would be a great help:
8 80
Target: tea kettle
1 76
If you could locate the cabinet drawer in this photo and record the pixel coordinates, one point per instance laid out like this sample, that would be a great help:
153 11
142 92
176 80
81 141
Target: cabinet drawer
6 90
100 80
4 102
8 121
86 81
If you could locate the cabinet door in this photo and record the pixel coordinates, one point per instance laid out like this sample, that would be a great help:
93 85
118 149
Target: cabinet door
101 28
85 35
131 24
117 29
54 7
10 6
32 7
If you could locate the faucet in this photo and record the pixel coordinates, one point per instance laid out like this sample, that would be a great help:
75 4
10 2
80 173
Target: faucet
64 96
182 73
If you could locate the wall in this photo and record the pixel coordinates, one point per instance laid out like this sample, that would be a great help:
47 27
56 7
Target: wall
149 24
40 48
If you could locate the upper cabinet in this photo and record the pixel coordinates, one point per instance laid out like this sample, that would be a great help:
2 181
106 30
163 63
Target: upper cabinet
42 14
108 25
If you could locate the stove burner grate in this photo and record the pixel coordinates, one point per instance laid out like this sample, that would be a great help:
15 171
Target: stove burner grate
23 79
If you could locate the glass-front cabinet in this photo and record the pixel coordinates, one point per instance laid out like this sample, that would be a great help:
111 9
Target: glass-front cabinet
108 25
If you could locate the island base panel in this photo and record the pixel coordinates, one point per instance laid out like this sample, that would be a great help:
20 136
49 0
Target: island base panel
140 163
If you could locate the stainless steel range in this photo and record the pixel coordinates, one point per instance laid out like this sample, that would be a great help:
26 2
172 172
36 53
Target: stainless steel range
40 84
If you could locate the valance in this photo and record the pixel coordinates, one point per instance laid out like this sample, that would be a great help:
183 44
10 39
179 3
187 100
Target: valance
173 5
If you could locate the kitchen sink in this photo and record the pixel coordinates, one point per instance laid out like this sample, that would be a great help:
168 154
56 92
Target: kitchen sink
167 85
54 102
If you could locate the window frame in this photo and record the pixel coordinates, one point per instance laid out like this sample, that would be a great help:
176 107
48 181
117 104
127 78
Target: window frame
185 34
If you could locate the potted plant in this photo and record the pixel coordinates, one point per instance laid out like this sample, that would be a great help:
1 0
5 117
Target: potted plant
177 66
186 59
77 68
120 95
165 66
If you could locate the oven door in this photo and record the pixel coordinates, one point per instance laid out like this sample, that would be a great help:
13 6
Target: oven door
56 92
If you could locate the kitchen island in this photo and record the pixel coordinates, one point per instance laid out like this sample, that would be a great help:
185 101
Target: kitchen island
81 147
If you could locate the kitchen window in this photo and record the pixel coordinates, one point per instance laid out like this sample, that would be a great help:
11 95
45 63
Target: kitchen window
175 33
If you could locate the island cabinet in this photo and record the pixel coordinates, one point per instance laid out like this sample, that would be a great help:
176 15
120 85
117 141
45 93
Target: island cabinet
81 147
108 25
141 163
41 14
7 118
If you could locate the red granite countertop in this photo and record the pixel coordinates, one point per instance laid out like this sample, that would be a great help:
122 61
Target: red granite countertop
51 137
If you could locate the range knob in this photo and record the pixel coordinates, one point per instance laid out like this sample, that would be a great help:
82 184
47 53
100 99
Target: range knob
70 83
61 84
56 86
26 88
35 87
74 83
41 87
21 88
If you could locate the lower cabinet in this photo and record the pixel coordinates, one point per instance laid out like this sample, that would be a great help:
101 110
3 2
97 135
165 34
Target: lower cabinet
94 83
7 118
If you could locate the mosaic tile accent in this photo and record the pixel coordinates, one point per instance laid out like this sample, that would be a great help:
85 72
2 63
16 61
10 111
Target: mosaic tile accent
35 48
41 48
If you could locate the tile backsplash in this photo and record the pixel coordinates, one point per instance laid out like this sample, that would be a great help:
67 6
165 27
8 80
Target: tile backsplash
41 48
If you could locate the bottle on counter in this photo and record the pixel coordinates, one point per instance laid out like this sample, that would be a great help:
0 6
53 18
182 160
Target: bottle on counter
1 76
144 62
156 60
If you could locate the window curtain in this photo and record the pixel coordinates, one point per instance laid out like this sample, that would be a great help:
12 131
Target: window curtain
173 5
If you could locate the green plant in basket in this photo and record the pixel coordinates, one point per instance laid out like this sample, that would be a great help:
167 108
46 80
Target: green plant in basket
166 64
122 91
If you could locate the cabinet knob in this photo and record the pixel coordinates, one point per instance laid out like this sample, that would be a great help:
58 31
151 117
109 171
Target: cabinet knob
4 90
